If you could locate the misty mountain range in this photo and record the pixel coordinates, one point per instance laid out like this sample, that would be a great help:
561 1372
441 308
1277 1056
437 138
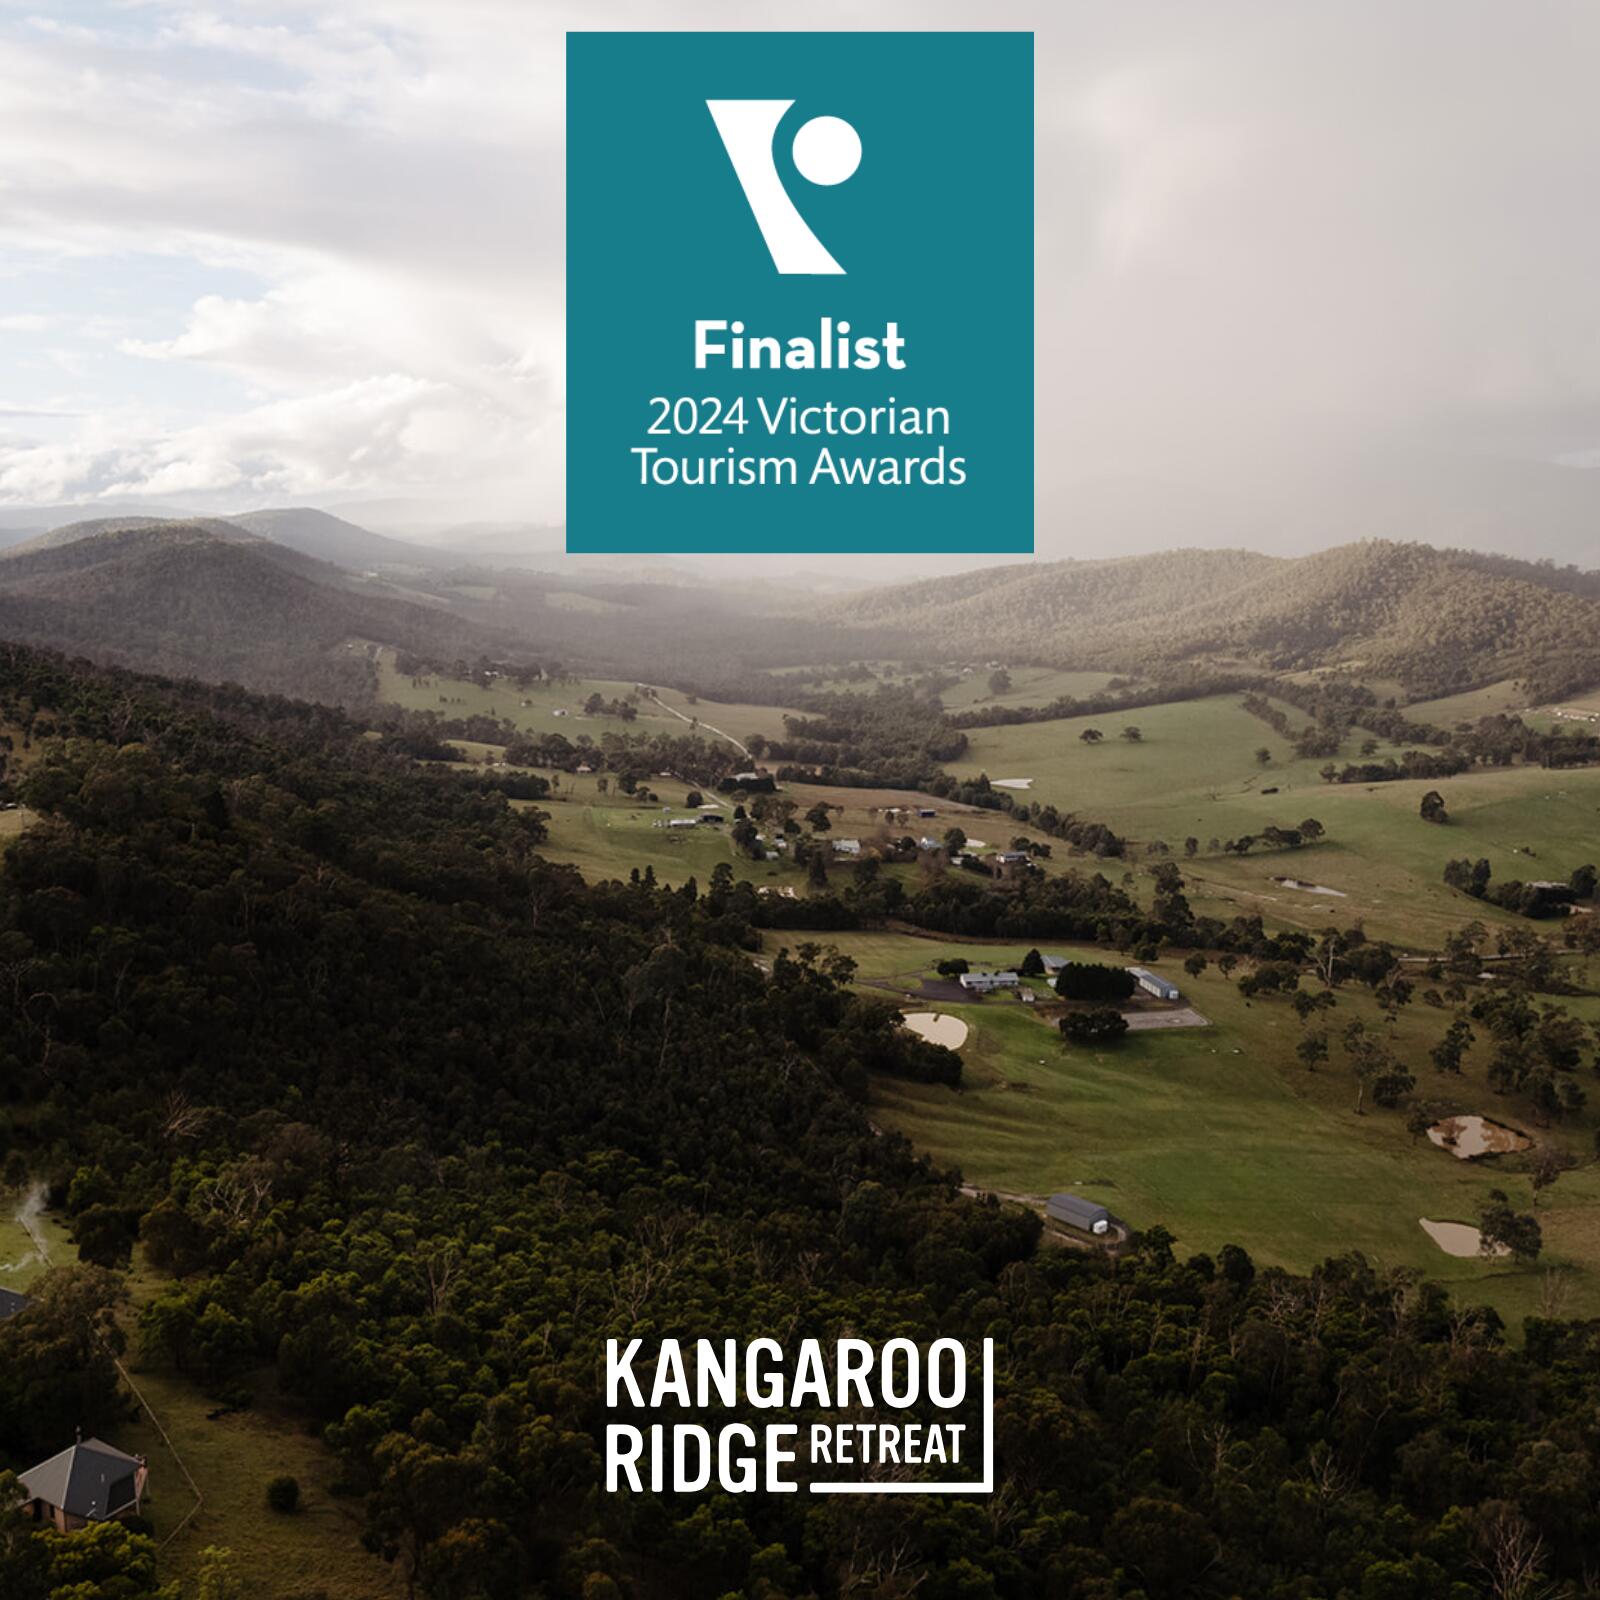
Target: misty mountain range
285 600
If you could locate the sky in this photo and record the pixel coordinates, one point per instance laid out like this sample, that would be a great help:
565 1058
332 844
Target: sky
268 254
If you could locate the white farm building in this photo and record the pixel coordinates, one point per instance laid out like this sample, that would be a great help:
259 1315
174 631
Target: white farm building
985 982
1154 983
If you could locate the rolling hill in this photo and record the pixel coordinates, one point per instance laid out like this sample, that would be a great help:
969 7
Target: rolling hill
1435 620
331 538
192 599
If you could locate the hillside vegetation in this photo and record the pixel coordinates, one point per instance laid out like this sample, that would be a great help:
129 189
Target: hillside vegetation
1437 621
215 602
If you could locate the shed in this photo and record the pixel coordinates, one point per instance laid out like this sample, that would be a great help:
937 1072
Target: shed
90 1481
1088 1216
1154 983
984 982
11 1303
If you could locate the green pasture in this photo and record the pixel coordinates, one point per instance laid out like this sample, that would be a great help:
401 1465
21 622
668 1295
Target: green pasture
1195 774
533 709
1220 1135
1030 686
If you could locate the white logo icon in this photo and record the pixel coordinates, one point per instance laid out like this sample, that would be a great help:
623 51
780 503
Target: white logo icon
827 150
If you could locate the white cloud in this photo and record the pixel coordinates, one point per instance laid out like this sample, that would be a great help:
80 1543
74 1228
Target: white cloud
1259 226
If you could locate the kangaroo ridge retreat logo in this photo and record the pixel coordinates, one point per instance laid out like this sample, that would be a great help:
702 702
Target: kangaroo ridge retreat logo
847 1417
799 292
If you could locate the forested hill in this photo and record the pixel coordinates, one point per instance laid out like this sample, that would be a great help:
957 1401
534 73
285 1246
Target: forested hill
421 1120
213 601
1434 619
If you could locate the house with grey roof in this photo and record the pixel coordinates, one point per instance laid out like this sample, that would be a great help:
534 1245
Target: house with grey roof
90 1481
11 1303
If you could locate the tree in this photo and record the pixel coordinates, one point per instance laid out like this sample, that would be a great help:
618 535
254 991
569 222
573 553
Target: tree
1032 965
955 841
1090 980
1432 809
1263 757
694 799
1194 964
1501 1227
1311 830
1101 1025
283 1494
1091 736
1458 1038
1132 734
1377 1072
1312 1050
1545 1166
999 681
819 819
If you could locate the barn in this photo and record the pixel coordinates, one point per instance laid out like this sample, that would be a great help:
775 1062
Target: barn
1154 983
1085 1215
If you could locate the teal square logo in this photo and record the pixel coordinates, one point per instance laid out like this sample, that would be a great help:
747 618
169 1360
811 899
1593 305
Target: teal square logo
800 292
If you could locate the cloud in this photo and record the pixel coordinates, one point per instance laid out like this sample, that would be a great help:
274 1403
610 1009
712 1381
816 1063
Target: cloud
1263 229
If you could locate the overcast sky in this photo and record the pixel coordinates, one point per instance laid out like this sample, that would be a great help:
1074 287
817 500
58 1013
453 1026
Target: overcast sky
272 253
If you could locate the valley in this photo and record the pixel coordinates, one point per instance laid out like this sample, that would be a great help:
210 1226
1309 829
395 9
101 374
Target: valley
812 825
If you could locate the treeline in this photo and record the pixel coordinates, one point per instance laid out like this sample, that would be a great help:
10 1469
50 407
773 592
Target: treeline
1541 899
899 737
1119 695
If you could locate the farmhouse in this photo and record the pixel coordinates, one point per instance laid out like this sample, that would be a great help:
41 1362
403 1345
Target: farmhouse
847 847
986 982
90 1481
11 1303
928 842
1153 983
1053 964
1076 1212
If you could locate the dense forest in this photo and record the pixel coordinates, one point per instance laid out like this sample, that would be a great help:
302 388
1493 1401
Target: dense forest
420 1119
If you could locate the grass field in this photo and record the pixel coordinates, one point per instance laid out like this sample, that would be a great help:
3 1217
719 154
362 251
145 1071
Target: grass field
1215 1134
1030 686
1194 774
1495 699
1388 862
456 697
19 1261
315 1550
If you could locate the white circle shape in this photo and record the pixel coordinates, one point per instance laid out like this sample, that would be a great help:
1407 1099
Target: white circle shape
827 150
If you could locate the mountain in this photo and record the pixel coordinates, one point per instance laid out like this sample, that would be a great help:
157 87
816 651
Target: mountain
98 527
1435 620
186 599
331 538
